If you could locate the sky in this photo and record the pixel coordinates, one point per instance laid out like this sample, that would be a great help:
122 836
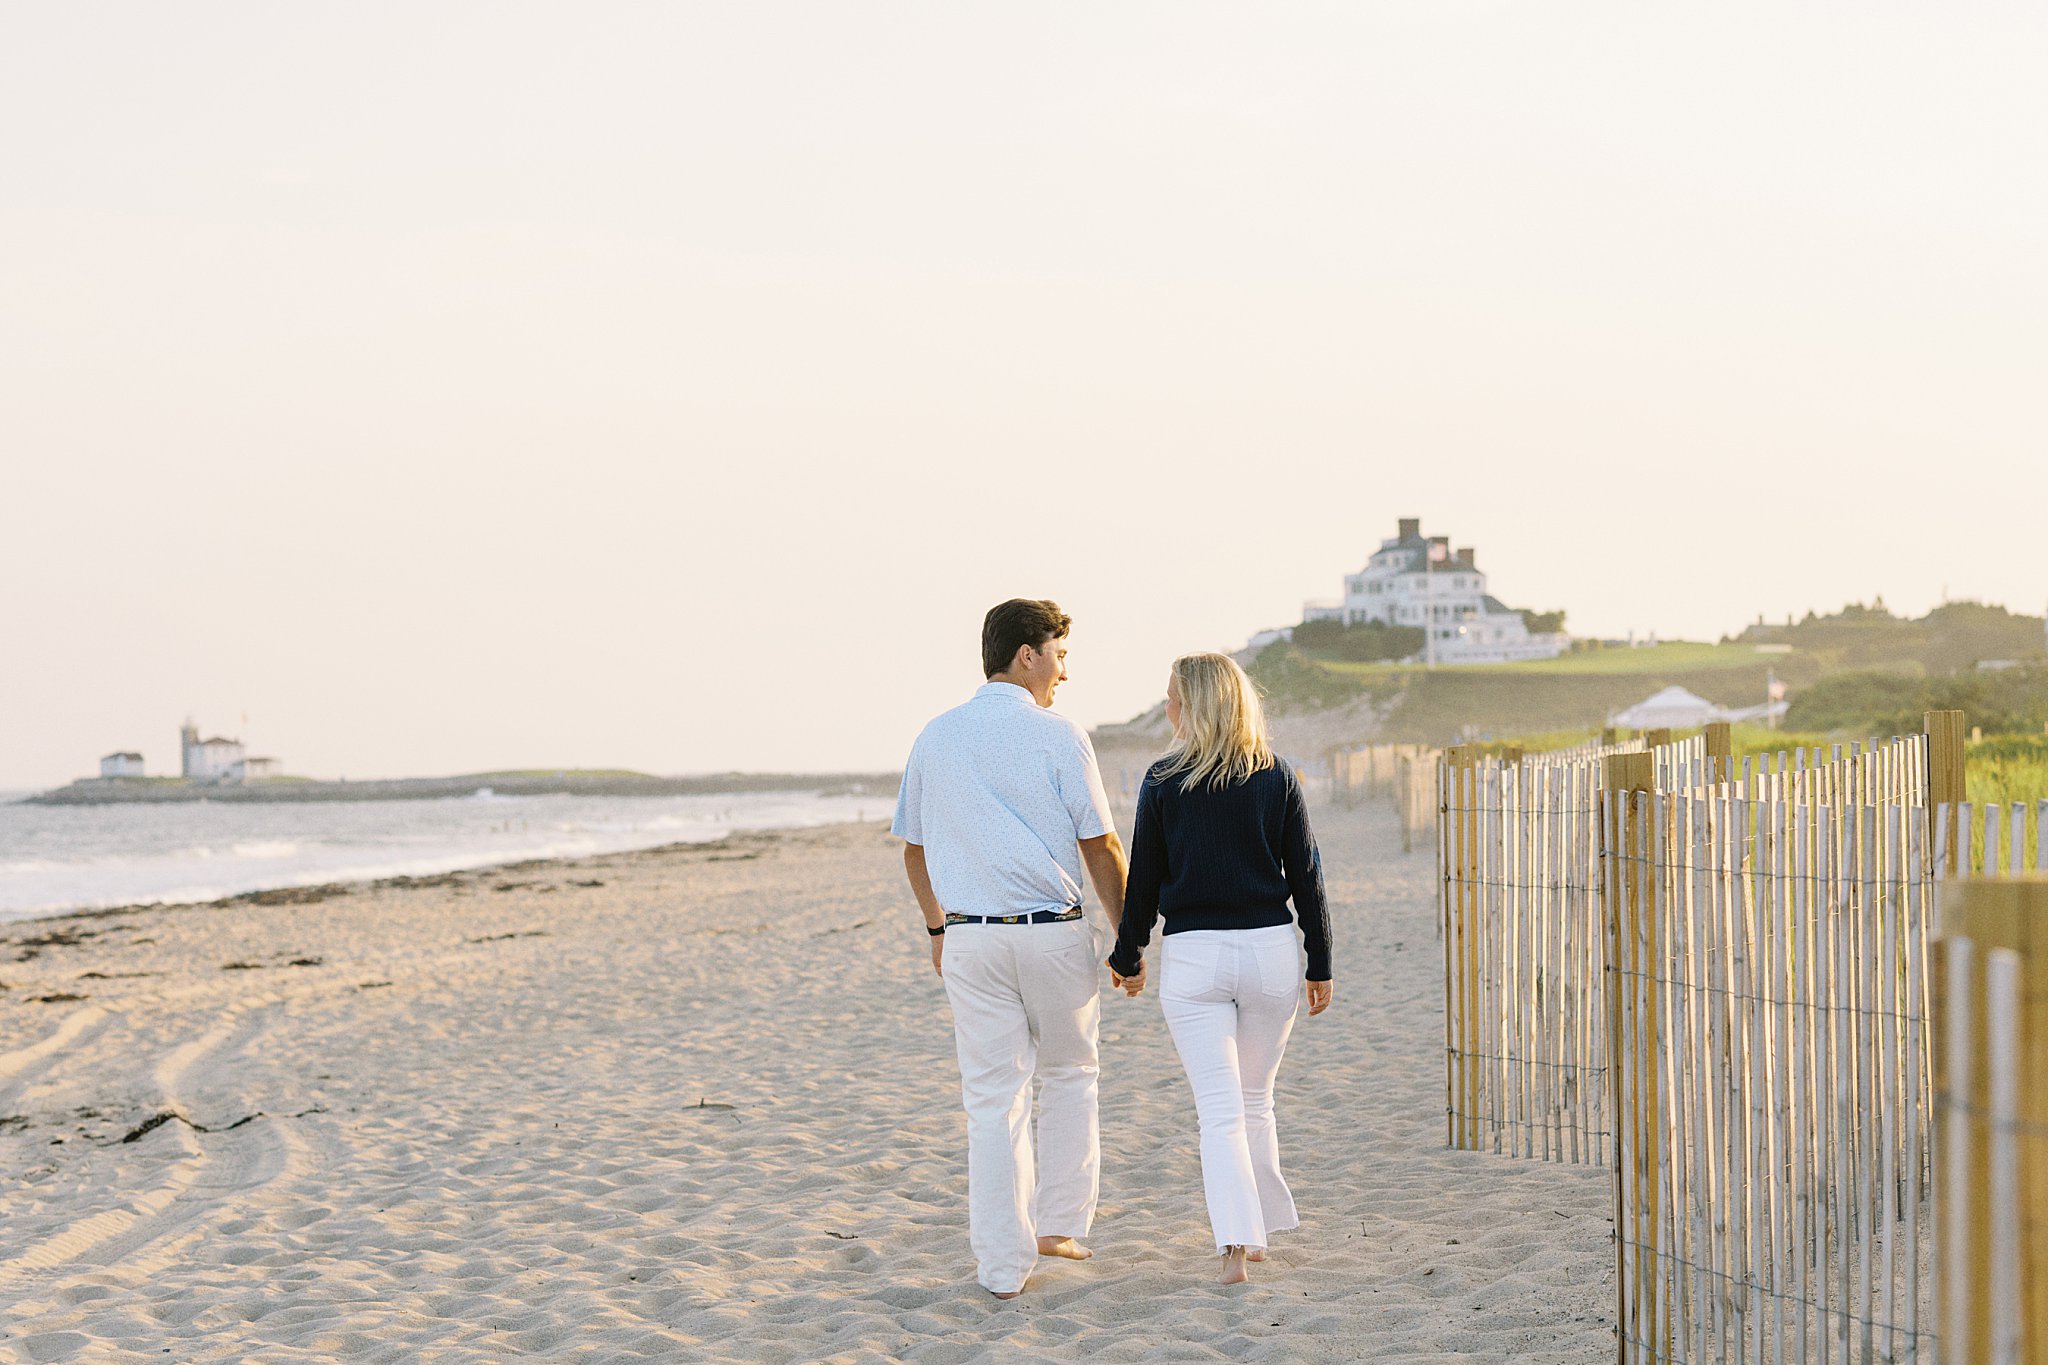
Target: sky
417 389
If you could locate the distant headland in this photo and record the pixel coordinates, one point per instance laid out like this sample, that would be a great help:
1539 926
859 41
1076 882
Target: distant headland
114 791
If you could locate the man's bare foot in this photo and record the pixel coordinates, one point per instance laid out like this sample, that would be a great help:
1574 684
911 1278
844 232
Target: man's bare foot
1063 1246
1255 1253
1233 1266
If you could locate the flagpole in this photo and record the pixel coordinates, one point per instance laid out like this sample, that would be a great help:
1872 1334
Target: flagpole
1429 604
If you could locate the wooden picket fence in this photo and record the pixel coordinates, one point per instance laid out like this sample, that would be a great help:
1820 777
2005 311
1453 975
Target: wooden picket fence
1771 1082
1405 774
1524 957
1372 770
1714 977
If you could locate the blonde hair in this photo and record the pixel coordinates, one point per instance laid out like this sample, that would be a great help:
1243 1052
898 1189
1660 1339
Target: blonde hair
1222 738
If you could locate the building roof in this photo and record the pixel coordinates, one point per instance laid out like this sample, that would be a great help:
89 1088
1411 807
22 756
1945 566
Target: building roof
136 757
209 743
1673 708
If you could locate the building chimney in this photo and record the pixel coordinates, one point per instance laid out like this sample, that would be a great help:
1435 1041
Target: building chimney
1411 527
1465 557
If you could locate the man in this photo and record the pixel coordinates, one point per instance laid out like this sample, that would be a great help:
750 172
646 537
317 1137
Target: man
1001 808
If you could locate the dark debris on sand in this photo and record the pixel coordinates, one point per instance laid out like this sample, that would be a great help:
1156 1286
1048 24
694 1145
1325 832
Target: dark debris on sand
32 946
162 1117
290 895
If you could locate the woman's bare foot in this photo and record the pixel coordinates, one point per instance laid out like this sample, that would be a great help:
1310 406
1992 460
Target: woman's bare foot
1063 1246
1255 1253
1233 1266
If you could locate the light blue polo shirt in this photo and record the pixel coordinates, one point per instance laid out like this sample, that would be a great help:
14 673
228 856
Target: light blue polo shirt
999 791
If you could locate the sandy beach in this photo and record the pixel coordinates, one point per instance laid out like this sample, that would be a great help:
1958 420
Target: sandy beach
699 1103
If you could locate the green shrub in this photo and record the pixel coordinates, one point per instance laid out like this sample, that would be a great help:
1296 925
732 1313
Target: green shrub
1954 637
1291 681
1879 702
1364 643
1865 702
1961 634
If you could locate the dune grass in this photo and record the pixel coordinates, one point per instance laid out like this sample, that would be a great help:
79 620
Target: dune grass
2002 770
1678 656
2008 769
1745 740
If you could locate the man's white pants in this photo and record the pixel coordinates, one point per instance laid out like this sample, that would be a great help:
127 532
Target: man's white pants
1024 1002
1230 997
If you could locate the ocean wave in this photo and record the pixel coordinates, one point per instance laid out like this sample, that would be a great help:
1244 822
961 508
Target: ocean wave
271 848
118 872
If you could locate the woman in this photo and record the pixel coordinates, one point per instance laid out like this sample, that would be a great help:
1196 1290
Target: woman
1222 841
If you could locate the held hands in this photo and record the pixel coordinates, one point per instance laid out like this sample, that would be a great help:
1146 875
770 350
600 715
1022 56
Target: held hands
1318 996
1131 984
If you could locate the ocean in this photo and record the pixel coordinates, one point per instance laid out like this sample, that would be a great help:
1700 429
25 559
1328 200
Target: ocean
57 858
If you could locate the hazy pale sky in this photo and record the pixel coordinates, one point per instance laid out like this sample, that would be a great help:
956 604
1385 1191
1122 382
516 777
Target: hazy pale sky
453 386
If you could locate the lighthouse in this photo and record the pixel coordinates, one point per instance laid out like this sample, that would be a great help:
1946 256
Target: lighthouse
208 760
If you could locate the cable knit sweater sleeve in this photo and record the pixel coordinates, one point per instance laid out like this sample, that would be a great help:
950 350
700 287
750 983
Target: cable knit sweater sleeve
1141 887
1304 868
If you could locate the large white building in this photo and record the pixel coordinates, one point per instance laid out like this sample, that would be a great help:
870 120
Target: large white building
1416 580
207 760
221 760
121 765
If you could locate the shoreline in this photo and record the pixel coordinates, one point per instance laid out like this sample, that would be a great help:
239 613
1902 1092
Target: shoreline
315 893
119 791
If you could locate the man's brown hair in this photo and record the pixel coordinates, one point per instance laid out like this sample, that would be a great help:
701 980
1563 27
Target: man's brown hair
1019 621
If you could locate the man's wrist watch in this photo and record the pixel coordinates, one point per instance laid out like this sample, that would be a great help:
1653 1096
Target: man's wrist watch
935 933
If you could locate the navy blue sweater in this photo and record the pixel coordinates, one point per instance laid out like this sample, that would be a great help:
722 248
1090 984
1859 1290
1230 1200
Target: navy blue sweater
1224 859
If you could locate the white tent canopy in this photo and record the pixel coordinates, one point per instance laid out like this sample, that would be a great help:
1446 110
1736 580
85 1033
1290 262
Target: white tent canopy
1672 709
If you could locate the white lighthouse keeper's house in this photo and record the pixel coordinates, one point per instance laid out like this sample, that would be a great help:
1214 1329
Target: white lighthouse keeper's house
208 760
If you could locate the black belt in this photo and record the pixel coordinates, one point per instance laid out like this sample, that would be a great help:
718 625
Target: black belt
1041 917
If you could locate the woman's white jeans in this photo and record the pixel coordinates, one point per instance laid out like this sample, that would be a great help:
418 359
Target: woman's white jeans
1230 997
1024 1004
